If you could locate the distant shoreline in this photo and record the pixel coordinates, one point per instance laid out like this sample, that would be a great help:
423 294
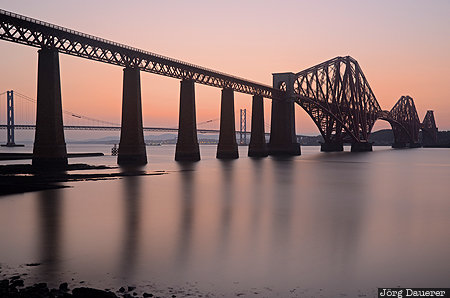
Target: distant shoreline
18 156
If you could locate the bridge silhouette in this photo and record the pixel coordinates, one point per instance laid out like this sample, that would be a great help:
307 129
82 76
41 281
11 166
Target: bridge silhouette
335 94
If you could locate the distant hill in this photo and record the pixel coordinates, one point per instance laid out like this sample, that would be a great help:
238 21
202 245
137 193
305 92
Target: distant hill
444 138
310 140
383 137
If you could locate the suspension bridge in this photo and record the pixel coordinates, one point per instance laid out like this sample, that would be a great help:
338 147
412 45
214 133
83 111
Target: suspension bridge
26 107
335 94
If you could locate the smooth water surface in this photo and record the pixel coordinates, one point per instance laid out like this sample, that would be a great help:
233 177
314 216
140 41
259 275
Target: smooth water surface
317 223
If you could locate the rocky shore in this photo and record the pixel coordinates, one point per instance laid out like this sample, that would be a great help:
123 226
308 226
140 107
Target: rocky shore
14 288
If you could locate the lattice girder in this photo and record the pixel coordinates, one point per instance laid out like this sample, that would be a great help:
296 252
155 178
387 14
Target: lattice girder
429 130
428 121
405 120
24 30
339 99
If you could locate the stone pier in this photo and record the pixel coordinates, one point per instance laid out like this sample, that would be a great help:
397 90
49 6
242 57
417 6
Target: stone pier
132 149
398 145
49 149
187 148
257 146
331 147
227 147
283 140
361 147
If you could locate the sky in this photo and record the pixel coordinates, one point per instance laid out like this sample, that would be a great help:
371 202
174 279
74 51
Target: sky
403 48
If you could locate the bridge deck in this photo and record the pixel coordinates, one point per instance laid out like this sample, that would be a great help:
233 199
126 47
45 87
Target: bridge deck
28 31
112 128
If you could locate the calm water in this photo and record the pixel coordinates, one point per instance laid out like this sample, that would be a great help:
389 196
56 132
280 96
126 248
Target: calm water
317 224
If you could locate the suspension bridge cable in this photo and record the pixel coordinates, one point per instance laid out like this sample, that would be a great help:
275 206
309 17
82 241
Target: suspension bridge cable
69 112
208 121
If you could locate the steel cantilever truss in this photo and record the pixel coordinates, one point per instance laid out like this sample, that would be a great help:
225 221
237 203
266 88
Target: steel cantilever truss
32 32
339 99
405 121
429 130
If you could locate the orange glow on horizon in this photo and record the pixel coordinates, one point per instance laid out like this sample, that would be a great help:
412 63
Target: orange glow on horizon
398 57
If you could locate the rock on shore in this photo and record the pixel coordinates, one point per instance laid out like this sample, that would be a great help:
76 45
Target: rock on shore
14 288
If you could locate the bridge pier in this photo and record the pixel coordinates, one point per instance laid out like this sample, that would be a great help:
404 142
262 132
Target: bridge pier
187 148
132 149
331 147
399 145
429 137
257 146
283 140
227 147
49 148
361 147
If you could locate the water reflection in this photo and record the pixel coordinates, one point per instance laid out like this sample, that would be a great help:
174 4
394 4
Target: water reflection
283 195
187 215
50 227
338 212
278 233
227 195
257 199
317 221
132 219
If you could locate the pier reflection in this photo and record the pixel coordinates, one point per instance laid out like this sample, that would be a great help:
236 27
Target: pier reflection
257 200
226 193
283 179
187 212
50 230
333 219
132 219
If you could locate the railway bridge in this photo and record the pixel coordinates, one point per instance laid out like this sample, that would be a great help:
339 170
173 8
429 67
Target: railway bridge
335 94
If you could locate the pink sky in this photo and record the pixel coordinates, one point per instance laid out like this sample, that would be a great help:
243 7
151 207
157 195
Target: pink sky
403 47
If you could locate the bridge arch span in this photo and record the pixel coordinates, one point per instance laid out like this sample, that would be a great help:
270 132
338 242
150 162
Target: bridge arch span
396 126
338 97
404 121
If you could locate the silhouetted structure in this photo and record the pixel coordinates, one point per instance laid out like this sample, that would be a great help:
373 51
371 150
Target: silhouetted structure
132 146
243 127
187 142
405 123
10 142
49 144
227 147
257 146
334 93
429 130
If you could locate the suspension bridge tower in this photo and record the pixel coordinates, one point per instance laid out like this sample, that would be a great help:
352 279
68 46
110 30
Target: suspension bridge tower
10 120
243 128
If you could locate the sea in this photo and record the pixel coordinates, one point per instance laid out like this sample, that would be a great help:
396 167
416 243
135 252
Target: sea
317 225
